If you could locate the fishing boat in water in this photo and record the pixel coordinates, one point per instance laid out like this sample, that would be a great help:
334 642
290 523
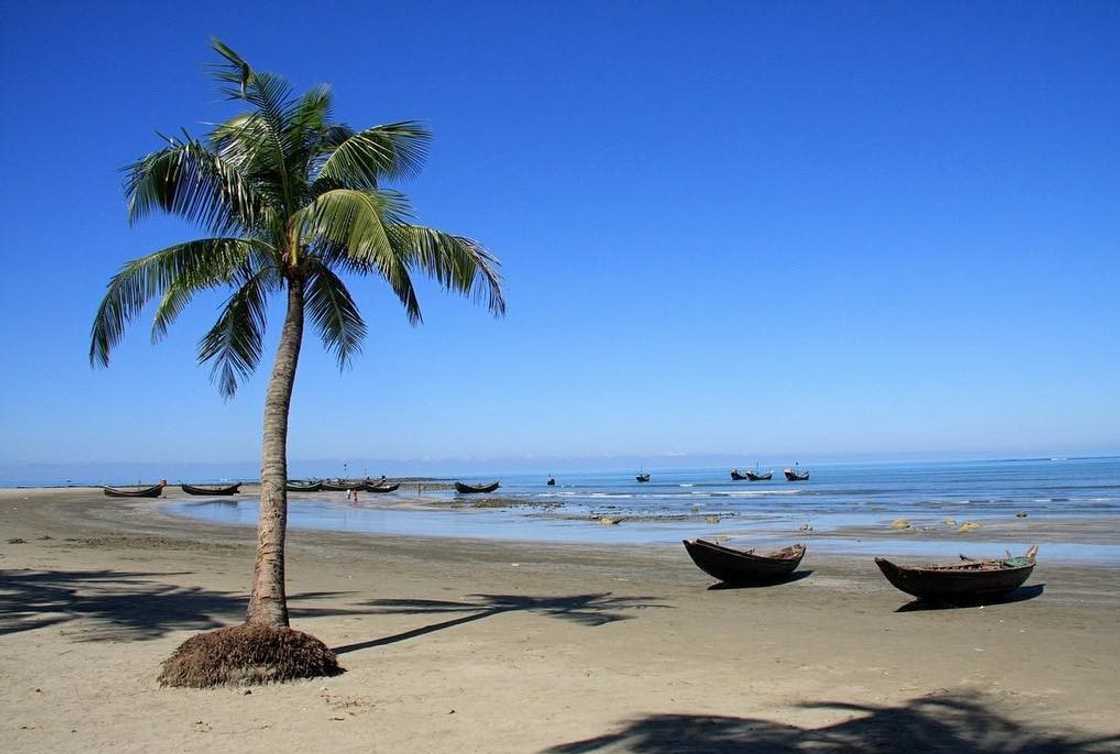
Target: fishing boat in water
968 580
295 486
154 491
759 476
738 476
643 477
474 489
796 474
191 489
733 566
551 482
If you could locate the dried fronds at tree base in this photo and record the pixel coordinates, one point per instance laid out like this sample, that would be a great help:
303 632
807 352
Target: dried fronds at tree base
247 655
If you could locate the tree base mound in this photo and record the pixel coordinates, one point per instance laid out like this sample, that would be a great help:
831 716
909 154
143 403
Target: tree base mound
247 655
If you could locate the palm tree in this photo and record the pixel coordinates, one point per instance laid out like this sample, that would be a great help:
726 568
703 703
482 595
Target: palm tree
292 202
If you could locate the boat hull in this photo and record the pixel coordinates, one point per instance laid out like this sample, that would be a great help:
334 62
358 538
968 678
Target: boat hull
954 584
736 567
381 488
753 477
793 476
474 489
154 491
190 489
313 487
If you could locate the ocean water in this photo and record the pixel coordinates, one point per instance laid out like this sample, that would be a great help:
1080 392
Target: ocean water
706 502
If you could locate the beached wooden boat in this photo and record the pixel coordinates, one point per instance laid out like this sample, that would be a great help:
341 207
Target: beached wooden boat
967 580
380 487
643 477
473 489
191 489
743 566
305 486
756 476
342 485
154 491
796 475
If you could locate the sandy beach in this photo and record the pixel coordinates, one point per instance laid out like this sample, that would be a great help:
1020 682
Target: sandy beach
461 645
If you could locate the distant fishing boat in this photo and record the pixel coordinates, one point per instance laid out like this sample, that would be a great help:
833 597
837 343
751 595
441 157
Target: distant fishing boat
758 476
551 482
738 476
191 489
743 566
295 486
474 489
643 477
380 487
968 580
154 491
796 474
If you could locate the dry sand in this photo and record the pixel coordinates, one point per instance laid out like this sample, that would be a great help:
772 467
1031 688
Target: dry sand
464 646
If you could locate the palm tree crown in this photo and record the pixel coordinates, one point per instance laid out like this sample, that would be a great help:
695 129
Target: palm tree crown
289 198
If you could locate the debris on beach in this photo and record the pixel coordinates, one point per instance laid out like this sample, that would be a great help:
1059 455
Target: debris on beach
1021 514
17 541
900 523
610 520
968 526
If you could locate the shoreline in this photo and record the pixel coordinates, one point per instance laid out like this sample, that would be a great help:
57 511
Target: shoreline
442 639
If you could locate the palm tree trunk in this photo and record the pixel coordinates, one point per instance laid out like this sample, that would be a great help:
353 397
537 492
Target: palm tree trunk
268 604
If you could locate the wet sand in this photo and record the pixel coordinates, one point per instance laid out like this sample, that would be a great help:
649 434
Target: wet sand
482 646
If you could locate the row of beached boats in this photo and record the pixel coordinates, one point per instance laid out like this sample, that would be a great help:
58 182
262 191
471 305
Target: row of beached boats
967 581
376 486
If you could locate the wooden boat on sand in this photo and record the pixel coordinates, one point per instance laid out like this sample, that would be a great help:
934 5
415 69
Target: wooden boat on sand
305 486
154 491
381 487
191 489
967 580
474 489
733 566
342 485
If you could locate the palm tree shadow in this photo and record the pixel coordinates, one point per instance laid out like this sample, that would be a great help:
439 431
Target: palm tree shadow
1021 594
945 724
110 605
761 583
585 609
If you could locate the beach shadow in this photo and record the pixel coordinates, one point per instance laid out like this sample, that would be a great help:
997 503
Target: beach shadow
125 605
787 579
950 723
1021 594
585 609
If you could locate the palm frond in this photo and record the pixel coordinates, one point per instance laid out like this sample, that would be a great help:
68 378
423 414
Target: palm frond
235 341
360 227
187 179
459 264
393 150
196 263
334 314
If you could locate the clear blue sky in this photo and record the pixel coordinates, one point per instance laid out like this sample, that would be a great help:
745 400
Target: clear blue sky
822 229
